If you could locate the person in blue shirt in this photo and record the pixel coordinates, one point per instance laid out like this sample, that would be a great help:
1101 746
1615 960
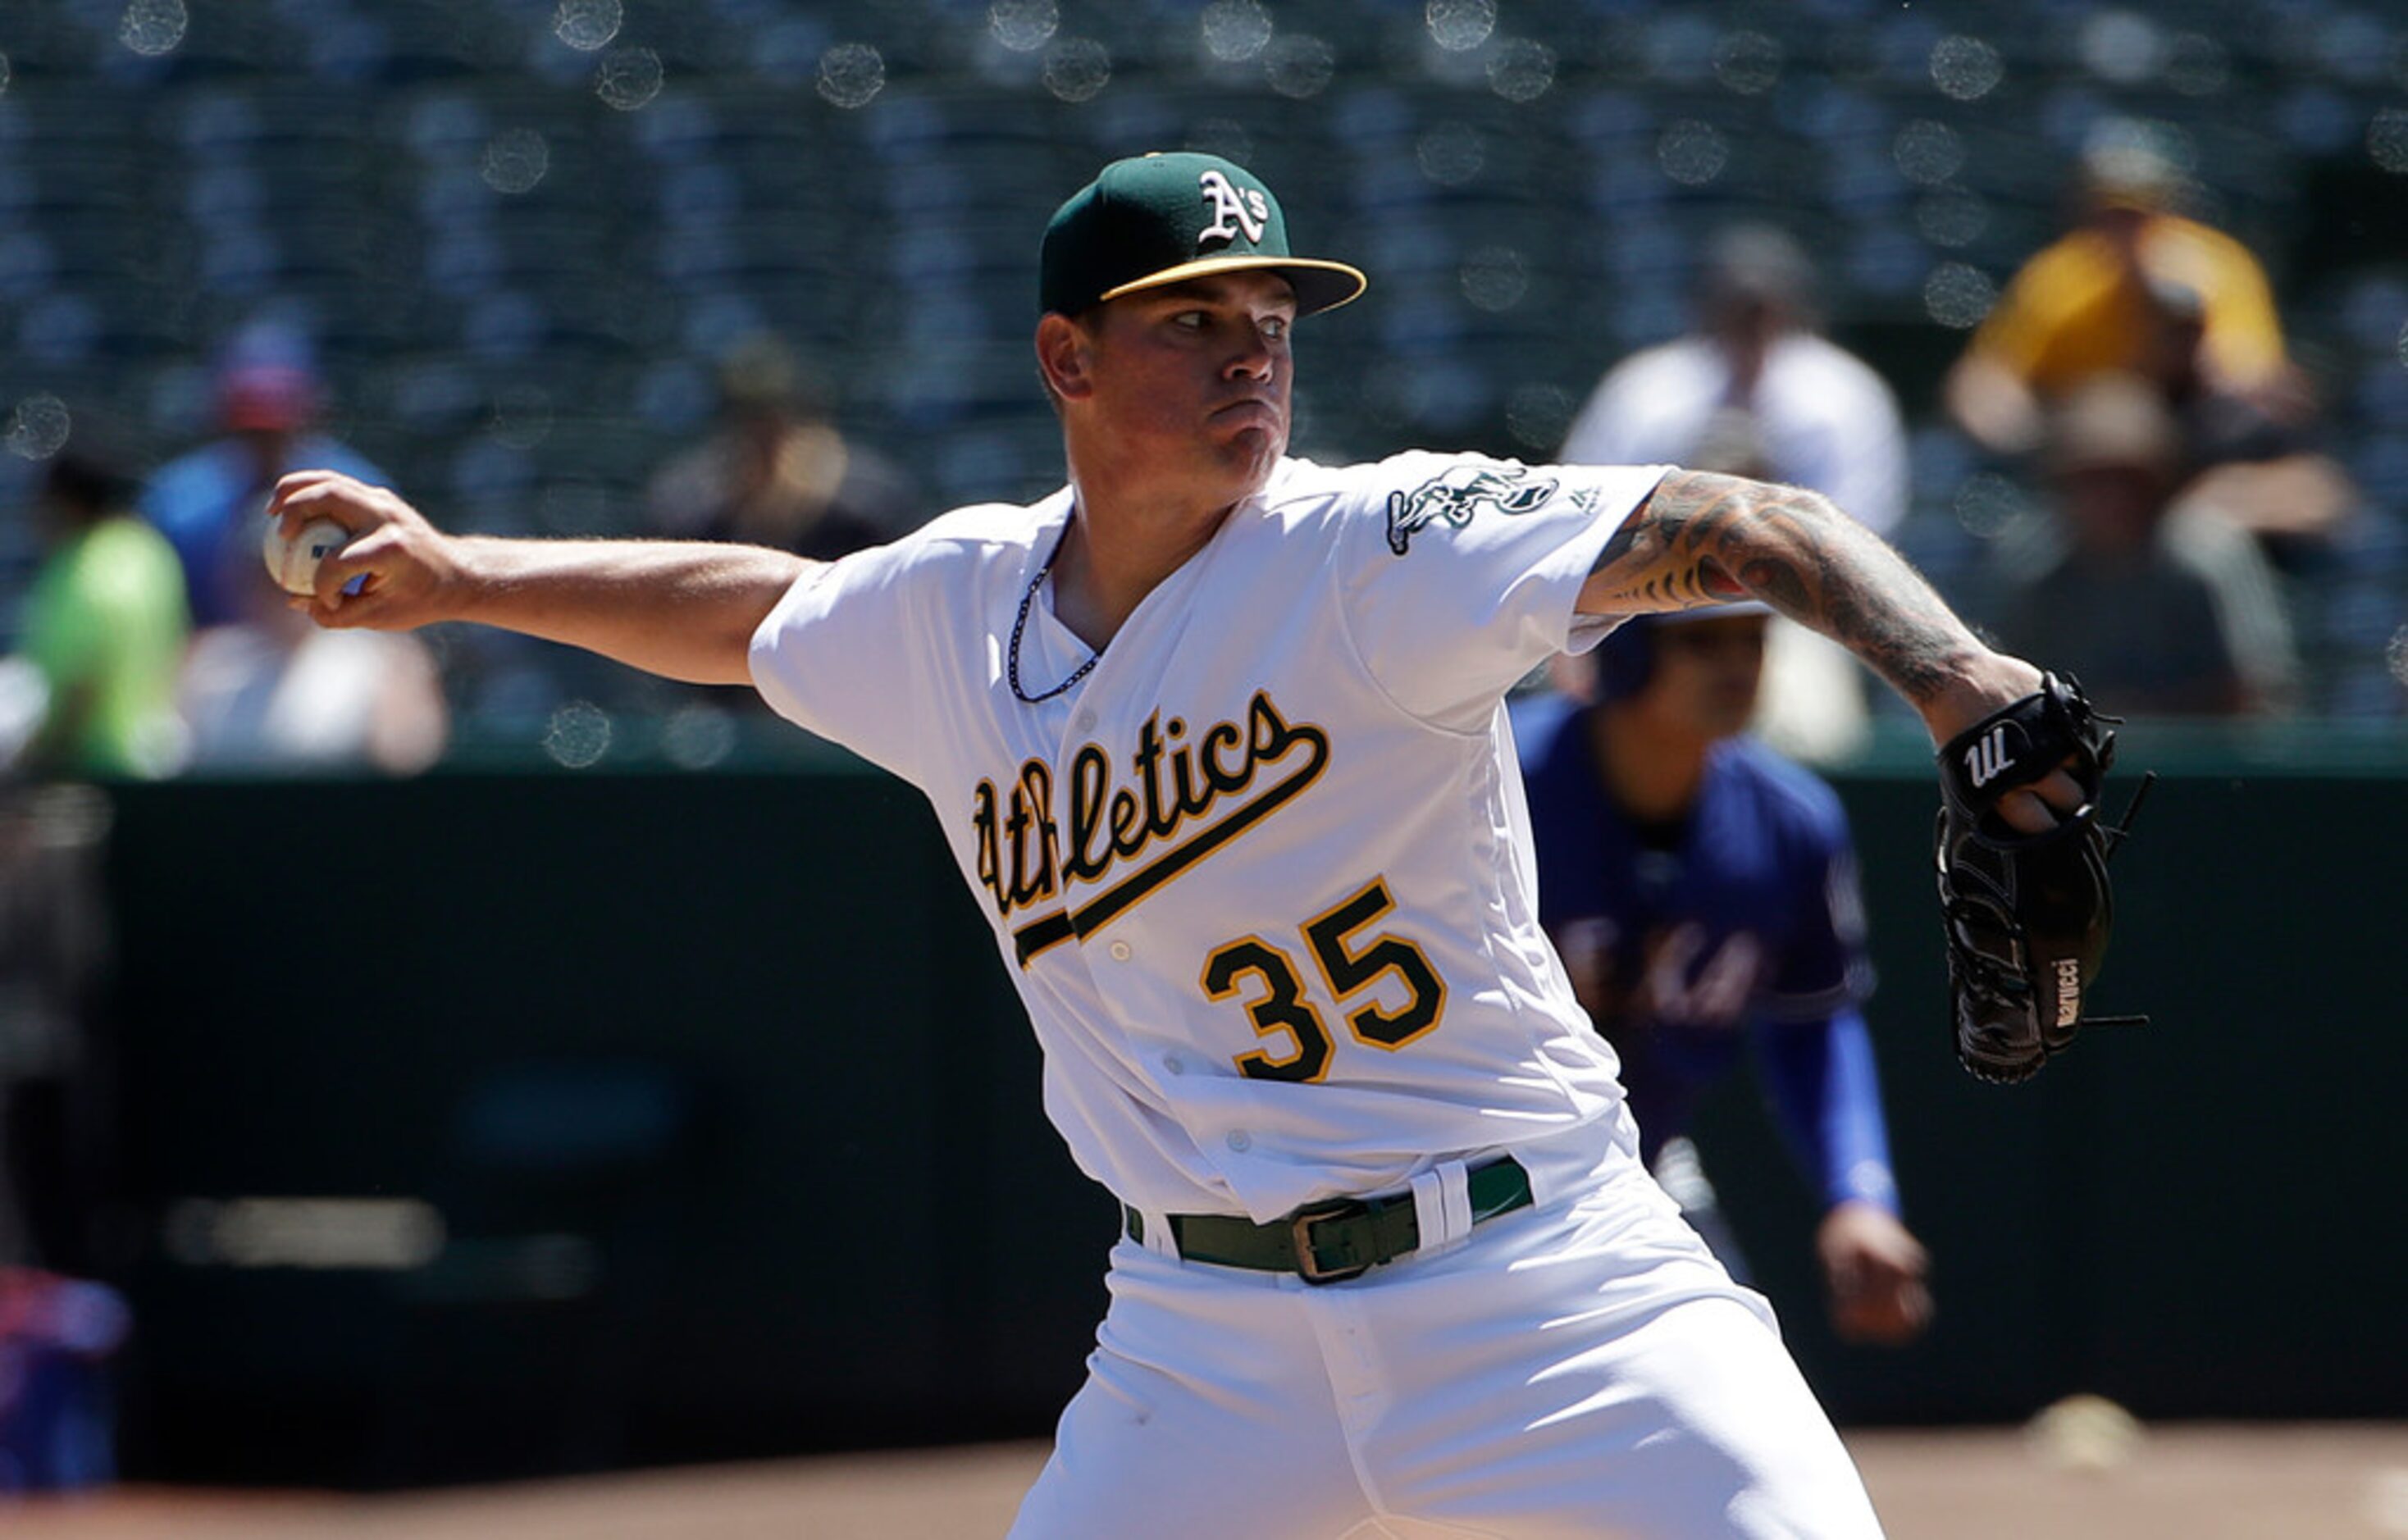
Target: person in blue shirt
208 501
1702 892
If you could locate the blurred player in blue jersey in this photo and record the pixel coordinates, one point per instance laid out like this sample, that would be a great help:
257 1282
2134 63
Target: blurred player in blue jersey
1702 892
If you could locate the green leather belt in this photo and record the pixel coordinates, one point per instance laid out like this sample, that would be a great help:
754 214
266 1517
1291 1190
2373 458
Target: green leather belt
1344 1238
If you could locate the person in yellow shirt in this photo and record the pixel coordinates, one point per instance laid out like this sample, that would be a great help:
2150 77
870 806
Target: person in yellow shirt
105 626
2136 289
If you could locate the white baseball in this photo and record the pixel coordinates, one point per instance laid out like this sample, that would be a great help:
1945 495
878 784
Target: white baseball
294 564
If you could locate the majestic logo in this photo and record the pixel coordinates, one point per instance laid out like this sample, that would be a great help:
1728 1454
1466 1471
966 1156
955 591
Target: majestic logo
2069 991
1458 494
1235 209
1181 800
1987 760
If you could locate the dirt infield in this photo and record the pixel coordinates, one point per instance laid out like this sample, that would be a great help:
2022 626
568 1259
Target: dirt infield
2307 1482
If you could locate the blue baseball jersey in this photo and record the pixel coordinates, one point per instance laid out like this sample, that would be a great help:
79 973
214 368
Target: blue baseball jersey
1741 925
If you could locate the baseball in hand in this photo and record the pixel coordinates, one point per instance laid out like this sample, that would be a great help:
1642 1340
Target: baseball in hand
294 564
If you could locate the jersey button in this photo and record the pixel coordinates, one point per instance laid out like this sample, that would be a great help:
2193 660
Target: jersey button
1239 1140
1172 1062
1083 722
1120 952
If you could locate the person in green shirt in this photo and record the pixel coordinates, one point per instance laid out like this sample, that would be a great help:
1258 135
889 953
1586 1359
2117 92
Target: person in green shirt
105 626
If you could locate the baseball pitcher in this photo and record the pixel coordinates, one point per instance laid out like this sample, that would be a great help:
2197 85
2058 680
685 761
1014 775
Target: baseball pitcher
1217 739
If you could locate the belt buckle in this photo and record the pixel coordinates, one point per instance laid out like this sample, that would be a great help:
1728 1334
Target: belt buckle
1307 1267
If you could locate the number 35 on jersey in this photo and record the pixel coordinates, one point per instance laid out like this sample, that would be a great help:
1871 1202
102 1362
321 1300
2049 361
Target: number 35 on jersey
1382 984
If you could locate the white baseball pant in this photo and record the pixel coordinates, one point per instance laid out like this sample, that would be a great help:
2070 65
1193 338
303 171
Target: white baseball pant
1583 1368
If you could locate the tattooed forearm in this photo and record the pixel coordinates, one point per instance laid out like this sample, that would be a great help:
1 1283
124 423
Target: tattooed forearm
1703 539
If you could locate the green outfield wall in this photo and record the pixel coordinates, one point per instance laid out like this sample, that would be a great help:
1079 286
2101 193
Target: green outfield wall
500 1122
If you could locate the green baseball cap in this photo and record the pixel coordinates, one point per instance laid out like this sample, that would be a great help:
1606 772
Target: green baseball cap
1153 219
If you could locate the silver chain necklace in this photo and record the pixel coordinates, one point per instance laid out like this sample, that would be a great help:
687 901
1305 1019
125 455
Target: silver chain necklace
1020 624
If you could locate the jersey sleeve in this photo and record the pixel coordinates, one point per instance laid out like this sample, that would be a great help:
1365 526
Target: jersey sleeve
835 656
1809 1027
1460 573
1825 1089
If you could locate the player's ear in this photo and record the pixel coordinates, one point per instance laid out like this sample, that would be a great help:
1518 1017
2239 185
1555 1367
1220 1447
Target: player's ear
1066 353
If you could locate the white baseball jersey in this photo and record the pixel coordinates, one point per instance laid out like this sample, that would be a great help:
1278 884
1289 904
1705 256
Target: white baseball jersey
1262 875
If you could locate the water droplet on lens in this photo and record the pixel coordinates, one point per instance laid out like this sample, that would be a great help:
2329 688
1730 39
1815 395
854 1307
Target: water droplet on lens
586 24
1077 69
852 75
698 737
1929 153
629 78
515 161
1538 415
1522 71
1298 67
1966 68
1450 155
1692 153
577 734
1957 296
1495 278
1989 503
1459 26
39 427
1022 26
1236 30
153 27
1748 62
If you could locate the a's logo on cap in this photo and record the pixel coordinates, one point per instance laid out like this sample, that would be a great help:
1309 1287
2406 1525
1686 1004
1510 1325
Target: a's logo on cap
1235 210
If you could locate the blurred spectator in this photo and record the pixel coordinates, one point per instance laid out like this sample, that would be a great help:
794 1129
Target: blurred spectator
2139 291
1754 390
55 948
776 472
55 1417
104 630
2159 603
274 691
56 1331
1757 384
207 502
2135 289
2295 505
1702 893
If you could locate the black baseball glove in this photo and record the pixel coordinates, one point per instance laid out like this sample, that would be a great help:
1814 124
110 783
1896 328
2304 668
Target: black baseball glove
2028 916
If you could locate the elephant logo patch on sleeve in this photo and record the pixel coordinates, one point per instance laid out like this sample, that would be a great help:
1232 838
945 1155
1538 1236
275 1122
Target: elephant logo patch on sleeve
1456 495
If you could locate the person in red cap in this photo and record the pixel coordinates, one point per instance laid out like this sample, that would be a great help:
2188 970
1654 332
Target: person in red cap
207 501
1217 739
